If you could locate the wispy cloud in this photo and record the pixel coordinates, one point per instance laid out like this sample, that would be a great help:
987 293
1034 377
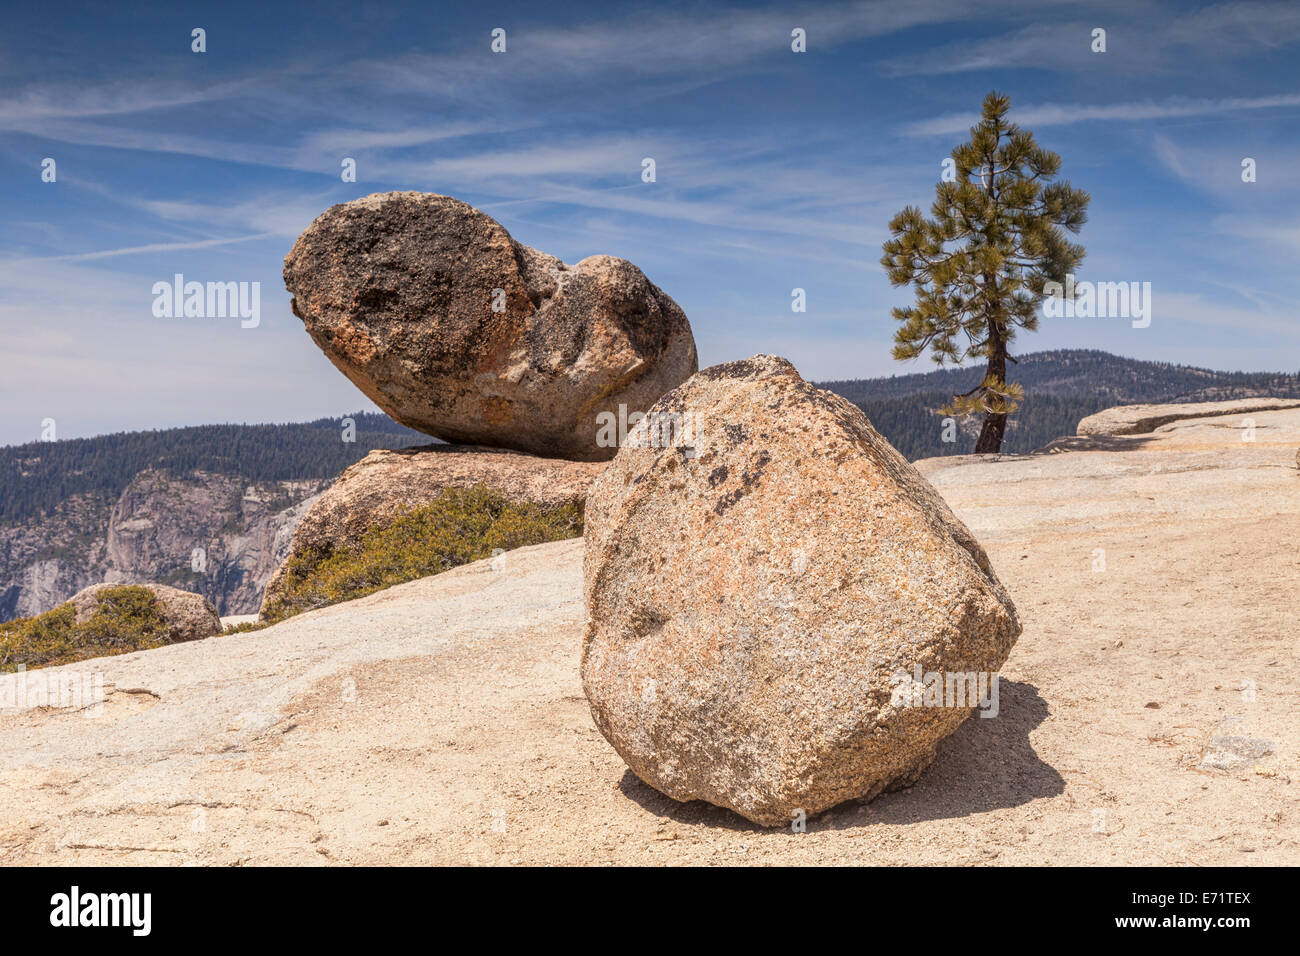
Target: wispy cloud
366 103
333 140
1198 310
668 43
137 250
86 351
1269 231
774 171
281 214
41 103
1216 168
1141 38
1065 114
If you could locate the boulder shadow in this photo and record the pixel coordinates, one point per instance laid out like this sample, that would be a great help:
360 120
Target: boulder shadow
987 764
1097 443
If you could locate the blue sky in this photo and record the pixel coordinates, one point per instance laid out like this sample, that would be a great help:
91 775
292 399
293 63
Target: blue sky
775 170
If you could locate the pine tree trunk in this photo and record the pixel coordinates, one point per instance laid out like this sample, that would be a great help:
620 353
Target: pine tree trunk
990 440
995 425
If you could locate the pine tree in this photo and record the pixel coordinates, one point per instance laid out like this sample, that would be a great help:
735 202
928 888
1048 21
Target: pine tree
980 264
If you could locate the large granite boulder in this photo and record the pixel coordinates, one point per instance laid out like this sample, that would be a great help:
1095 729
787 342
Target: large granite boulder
762 598
374 492
455 329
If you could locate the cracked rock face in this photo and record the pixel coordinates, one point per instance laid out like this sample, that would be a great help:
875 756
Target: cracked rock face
760 596
455 329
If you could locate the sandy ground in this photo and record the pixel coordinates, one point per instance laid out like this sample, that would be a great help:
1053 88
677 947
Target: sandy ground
1148 714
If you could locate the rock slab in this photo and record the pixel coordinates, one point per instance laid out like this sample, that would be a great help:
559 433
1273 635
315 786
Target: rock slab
757 602
453 328
189 616
371 494
1142 419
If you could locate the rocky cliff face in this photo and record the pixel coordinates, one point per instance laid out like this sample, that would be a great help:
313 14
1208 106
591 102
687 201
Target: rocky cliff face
44 561
203 532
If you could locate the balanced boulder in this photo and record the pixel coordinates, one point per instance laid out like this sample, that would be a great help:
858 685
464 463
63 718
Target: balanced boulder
455 329
762 594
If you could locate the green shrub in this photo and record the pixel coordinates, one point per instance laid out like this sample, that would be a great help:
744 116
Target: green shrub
245 627
126 619
460 526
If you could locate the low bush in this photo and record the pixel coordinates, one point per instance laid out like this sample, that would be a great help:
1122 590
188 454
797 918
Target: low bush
460 526
127 618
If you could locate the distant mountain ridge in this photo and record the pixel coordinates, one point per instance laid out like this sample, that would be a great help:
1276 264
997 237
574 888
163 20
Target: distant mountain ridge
136 506
1061 387
38 476
132 507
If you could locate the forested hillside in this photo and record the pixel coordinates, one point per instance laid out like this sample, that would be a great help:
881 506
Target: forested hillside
1061 387
36 477
133 504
